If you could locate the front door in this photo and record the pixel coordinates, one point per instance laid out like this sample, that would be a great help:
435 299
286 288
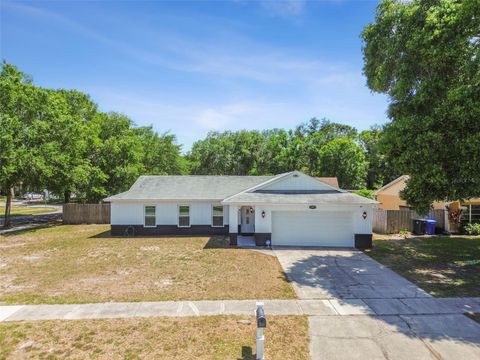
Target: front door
248 220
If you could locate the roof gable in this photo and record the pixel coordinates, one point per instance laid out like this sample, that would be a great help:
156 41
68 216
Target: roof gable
291 181
297 181
393 187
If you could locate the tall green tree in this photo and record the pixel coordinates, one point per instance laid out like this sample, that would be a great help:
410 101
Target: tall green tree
317 133
344 159
118 156
71 136
28 138
425 55
161 153
380 170
227 153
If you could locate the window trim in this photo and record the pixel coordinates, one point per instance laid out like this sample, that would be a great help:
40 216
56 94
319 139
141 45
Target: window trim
223 216
145 215
178 217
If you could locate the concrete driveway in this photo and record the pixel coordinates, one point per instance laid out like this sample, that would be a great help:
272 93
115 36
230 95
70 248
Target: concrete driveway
343 274
385 316
414 337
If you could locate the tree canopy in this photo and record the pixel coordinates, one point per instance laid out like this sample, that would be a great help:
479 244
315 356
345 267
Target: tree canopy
343 158
425 55
317 147
58 140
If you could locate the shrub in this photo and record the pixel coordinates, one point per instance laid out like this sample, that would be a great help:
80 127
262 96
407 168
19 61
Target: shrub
365 193
472 229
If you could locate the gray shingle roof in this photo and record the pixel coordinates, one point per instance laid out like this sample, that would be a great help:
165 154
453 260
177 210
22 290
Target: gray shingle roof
192 187
229 188
337 198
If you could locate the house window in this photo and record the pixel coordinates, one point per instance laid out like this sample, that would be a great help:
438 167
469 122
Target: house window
470 214
475 214
184 216
150 220
217 216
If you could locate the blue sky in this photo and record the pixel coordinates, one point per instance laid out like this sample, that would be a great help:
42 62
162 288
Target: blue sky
189 67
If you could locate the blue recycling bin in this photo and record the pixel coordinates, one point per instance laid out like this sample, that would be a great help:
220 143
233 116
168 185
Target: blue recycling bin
430 227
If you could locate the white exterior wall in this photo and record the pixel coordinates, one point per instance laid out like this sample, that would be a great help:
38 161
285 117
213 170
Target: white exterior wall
233 216
126 214
360 225
132 213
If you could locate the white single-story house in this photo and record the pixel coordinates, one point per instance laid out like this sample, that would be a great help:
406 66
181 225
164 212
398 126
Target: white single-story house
291 209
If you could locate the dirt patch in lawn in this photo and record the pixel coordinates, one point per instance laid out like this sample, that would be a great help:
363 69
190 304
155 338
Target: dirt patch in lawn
214 337
443 266
81 263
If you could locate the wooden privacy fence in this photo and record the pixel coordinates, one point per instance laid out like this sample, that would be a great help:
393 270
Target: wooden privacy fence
394 221
86 213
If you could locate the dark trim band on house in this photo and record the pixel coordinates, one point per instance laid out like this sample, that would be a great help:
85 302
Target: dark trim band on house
140 230
363 241
261 238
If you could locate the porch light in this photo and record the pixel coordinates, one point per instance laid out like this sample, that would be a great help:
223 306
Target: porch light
251 210
263 214
364 215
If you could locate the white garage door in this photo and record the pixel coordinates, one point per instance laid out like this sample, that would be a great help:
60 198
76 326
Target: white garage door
299 228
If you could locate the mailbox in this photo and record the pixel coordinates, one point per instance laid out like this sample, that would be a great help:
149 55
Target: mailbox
261 325
261 319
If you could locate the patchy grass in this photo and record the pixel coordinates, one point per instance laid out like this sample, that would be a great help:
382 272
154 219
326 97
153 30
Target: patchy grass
213 337
81 264
26 210
443 266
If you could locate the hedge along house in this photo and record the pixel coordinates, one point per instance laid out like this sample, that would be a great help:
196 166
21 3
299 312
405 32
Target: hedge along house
291 209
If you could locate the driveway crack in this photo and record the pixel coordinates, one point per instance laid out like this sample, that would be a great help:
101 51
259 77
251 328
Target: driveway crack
429 347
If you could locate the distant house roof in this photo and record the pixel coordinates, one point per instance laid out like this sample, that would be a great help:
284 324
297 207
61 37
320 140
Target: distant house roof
332 181
391 183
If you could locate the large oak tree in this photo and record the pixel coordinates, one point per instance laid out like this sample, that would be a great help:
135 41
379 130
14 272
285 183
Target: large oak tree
425 54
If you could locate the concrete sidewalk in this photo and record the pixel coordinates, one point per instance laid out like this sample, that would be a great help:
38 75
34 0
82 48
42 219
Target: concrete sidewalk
335 307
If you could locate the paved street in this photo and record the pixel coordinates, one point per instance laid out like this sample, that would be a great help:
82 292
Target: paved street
31 221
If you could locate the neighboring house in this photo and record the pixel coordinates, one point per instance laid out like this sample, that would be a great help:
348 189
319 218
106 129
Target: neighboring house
389 198
291 209
389 195
332 181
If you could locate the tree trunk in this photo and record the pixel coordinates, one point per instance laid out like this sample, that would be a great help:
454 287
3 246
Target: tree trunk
66 196
8 206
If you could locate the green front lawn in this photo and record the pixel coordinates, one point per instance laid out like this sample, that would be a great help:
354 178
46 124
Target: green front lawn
82 264
443 266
